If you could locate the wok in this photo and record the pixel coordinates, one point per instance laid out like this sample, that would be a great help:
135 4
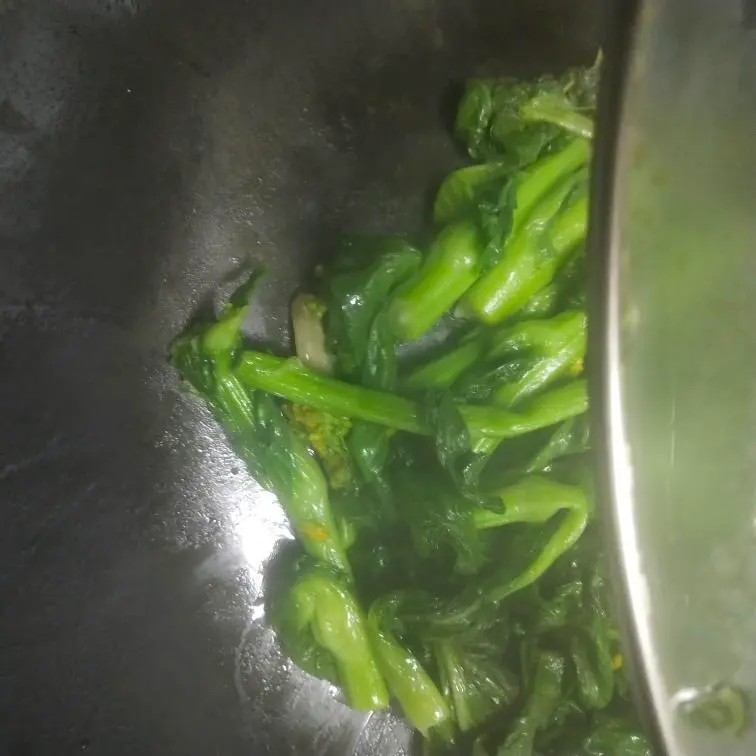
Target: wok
148 150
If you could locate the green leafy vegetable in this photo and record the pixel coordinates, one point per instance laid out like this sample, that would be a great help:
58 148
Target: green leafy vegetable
466 248
614 737
324 631
439 517
532 259
545 695
523 119
442 494
327 436
442 372
521 361
420 699
359 333
290 380
571 437
452 266
536 500
261 435
591 649
464 190
370 447
356 292
475 682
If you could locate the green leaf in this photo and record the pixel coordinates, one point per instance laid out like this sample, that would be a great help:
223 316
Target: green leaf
475 682
451 433
277 456
379 367
591 649
570 437
366 273
474 116
497 218
615 737
359 333
556 612
480 383
523 120
462 191
534 254
543 699
370 447
439 517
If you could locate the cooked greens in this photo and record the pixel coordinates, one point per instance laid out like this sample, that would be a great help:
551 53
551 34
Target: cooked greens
441 495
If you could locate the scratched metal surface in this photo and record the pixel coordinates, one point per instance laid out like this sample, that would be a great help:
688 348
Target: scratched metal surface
146 151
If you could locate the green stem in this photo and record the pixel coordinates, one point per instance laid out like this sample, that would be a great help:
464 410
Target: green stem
441 373
487 422
549 110
545 175
560 338
486 446
529 264
289 380
561 351
535 500
451 268
420 700
542 304
453 264
327 605
566 535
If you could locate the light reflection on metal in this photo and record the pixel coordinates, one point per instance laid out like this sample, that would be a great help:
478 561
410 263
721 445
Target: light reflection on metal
676 303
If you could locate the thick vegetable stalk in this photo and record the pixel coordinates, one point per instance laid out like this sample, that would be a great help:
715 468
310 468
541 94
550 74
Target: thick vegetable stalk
420 700
527 357
324 631
531 260
452 266
459 254
558 349
290 380
274 453
536 500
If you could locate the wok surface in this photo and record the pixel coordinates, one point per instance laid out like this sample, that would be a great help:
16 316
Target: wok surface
147 151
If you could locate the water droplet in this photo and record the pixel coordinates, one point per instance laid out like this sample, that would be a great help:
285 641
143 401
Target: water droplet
721 708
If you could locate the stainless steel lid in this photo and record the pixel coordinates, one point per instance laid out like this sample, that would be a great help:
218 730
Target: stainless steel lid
675 220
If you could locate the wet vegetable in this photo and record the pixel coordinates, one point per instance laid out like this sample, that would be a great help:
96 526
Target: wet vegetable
442 494
521 120
325 632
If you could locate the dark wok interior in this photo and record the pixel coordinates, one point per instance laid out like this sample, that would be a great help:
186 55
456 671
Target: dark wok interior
147 150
